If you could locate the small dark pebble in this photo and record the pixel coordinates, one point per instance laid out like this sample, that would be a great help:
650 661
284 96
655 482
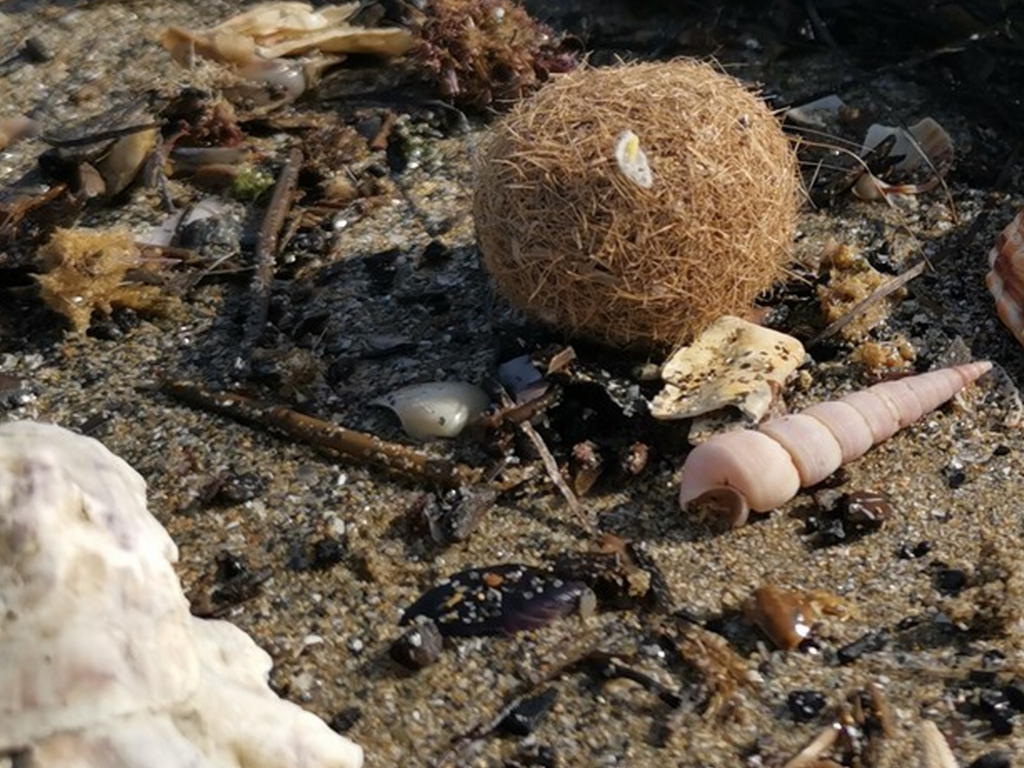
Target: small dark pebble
498 600
955 478
804 706
1001 450
322 554
382 269
844 518
950 581
871 642
240 488
1015 694
454 516
435 253
995 704
998 759
527 715
236 581
345 720
37 51
1001 722
908 551
230 566
420 645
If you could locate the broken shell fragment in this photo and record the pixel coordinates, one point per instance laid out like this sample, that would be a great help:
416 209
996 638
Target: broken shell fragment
732 363
764 468
270 30
923 146
784 615
103 665
436 409
1006 279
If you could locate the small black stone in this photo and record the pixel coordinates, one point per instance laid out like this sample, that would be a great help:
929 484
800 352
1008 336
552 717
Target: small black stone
327 552
522 720
873 641
420 645
1015 694
804 706
345 720
240 488
993 700
908 551
955 478
1001 722
950 581
998 759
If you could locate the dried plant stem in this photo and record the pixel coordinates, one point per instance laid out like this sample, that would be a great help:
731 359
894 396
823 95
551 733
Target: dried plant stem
877 295
359 446
812 753
556 475
266 255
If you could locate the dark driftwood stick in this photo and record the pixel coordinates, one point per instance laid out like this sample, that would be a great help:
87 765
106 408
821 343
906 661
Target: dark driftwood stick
266 254
362 447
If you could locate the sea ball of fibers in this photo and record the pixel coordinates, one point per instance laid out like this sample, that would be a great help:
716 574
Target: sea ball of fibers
636 204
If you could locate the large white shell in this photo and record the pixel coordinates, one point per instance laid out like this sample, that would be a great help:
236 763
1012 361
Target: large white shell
101 663
1006 280
437 408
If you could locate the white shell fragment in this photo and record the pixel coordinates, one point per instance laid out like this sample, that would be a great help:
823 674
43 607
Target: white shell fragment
924 147
632 160
275 29
732 363
814 113
437 408
103 666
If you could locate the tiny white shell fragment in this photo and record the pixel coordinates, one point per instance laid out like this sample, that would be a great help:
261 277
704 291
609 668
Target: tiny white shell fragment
732 363
813 113
923 138
632 160
437 408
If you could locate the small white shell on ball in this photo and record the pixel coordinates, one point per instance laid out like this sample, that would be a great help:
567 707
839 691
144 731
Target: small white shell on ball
437 408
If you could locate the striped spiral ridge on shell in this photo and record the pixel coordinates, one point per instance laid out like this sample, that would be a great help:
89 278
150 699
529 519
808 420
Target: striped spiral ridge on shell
1006 279
762 468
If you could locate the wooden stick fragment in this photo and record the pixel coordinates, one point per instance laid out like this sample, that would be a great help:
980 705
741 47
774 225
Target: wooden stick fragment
359 446
556 475
266 256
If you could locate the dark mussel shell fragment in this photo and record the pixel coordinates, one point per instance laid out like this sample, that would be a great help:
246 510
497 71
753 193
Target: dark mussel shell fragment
499 600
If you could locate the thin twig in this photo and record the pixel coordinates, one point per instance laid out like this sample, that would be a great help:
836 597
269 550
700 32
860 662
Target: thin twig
877 295
360 446
818 746
556 475
266 255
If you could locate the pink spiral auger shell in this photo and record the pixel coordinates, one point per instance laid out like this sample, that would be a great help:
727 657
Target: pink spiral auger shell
763 468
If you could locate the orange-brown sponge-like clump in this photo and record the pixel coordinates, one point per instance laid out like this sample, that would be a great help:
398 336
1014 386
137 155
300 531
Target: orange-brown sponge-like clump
636 204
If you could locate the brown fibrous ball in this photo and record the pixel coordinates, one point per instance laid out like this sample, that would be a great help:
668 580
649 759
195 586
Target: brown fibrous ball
571 239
